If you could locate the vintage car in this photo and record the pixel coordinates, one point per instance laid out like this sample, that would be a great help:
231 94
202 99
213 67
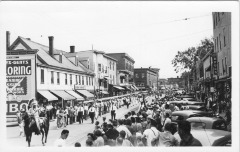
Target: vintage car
208 123
210 137
185 114
194 107
182 102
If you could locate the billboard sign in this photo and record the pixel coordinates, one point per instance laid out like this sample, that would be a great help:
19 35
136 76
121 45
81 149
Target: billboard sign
215 70
20 80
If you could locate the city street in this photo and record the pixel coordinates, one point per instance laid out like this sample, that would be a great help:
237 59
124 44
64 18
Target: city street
78 132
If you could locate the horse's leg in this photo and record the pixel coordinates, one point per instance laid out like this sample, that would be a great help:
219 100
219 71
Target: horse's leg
42 136
46 133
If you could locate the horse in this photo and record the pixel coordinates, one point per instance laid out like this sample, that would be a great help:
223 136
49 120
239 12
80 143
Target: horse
31 126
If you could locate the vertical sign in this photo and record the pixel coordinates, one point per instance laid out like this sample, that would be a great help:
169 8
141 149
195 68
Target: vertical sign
215 70
20 81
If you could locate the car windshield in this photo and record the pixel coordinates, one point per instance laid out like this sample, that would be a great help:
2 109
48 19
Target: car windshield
219 125
198 125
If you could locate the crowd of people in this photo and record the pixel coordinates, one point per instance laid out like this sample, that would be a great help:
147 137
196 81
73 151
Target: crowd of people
150 126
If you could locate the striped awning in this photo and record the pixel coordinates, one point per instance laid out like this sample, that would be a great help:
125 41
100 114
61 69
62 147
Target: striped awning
77 96
62 94
49 96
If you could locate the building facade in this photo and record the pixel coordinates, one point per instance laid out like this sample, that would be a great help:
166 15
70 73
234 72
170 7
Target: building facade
125 70
102 65
176 83
146 79
57 77
222 51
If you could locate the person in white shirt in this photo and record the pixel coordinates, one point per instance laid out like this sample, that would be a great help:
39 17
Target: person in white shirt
80 112
113 111
85 111
61 142
92 113
152 133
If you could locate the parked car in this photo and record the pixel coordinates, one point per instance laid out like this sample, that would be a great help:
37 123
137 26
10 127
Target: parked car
208 123
187 103
210 137
194 107
185 114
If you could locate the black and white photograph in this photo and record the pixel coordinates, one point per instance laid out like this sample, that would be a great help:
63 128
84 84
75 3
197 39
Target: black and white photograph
128 74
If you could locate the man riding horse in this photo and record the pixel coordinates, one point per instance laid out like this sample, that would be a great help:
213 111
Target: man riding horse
34 111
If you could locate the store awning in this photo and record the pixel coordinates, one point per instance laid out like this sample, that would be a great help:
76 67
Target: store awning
119 88
46 94
133 87
85 93
62 94
104 92
71 92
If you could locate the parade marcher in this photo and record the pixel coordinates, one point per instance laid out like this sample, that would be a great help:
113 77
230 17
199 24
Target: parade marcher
20 122
61 142
71 114
49 108
113 111
80 112
184 131
85 111
92 113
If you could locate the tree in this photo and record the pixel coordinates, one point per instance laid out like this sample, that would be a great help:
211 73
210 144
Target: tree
185 60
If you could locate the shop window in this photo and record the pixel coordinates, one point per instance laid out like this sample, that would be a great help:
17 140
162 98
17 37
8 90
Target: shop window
58 78
52 77
42 75
65 78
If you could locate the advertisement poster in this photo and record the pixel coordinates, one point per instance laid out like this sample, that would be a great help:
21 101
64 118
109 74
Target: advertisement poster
20 82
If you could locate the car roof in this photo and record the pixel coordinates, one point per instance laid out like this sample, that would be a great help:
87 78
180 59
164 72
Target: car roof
187 112
204 119
207 136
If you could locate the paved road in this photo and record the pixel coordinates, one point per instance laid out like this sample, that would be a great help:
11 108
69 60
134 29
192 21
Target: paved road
78 132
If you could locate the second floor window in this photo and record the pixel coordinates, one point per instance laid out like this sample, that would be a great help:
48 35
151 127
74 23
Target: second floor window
136 75
70 79
42 75
99 67
58 78
82 80
89 80
65 78
110 65
143 75
79 79
52 77
76 79
86 80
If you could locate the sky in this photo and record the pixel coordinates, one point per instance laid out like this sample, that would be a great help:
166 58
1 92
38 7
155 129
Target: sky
150 32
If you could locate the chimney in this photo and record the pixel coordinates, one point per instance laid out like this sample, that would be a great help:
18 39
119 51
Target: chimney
60 57
72 49
51 45
28 39
7 40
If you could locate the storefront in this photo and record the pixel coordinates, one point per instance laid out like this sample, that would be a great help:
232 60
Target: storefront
64 99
